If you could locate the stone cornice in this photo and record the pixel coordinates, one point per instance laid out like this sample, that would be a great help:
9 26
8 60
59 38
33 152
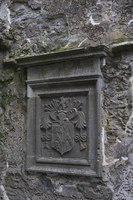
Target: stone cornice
54 57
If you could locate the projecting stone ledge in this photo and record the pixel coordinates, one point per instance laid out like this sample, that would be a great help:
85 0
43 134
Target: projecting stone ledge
122 47
54 57
98 51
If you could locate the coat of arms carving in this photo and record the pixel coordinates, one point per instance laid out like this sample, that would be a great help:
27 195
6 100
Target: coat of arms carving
63 123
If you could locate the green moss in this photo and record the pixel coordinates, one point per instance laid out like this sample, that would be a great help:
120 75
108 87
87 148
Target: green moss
24 54
5 99
117 36
69 46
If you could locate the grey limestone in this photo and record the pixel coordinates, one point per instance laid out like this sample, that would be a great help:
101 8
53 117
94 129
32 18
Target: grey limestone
39 30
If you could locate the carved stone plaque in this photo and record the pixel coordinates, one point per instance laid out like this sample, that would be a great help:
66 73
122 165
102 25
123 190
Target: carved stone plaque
63 127
64 117
63 122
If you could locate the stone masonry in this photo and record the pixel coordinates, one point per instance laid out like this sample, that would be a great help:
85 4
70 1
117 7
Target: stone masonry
33 27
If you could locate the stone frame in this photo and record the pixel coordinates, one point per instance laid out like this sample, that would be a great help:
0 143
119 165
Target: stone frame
42 83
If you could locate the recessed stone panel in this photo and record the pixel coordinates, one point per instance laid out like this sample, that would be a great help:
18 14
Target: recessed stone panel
63 127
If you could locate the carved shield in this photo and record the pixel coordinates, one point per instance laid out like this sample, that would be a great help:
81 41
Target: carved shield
62 137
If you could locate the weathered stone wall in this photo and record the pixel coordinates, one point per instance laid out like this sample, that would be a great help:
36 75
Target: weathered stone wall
37 26
29 27
118 125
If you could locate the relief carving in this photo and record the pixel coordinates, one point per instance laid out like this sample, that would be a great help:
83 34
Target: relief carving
63 123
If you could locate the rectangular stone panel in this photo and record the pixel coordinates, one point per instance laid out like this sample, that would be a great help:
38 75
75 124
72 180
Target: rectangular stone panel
62 127
64 112
63 131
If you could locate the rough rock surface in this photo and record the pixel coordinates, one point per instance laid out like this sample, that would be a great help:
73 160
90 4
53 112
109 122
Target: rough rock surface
29 27
40 26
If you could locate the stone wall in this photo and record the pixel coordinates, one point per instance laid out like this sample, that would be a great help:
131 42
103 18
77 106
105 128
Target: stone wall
37 26
30 27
